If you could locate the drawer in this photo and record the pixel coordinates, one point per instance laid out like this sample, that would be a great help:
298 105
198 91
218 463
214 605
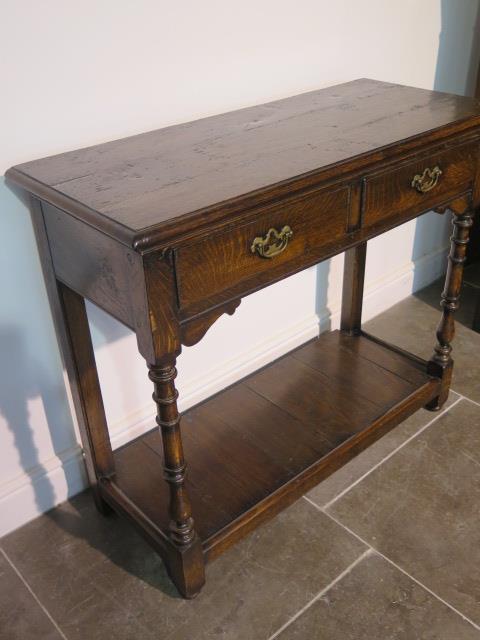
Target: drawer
274 243
418 185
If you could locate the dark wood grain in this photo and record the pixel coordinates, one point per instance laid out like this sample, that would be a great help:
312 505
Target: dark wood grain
390 192
181 531
152 180
76 322
258 445
222 260
194 330
158 230
352 293
91 262
441 362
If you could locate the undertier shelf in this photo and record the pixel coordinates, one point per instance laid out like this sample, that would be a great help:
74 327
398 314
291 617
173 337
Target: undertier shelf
258 445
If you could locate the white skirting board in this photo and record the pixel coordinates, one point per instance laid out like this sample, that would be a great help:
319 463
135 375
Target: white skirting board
62 476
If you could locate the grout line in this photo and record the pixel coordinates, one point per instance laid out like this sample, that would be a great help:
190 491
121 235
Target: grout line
466 397
394 564
45 611
321 593
392 453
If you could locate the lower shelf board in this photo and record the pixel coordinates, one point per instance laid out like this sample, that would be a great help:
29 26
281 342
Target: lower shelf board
257 446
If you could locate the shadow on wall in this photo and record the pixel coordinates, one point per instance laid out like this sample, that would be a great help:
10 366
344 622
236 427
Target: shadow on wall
456 72
78 519
459 47
31 379
20 381
27 339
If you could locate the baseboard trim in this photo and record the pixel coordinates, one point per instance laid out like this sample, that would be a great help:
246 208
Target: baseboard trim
217 378
44 487
382 293
62 476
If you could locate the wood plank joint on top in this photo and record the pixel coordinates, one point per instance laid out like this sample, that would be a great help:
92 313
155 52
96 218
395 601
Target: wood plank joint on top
147 189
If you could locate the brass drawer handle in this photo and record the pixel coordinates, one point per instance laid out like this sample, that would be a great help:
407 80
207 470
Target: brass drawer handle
273 243
428 179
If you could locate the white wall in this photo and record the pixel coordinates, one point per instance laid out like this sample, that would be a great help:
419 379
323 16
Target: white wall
79 73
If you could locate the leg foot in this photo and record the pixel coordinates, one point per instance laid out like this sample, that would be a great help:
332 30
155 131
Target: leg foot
445 373
186 568
435 405
185 561
102 507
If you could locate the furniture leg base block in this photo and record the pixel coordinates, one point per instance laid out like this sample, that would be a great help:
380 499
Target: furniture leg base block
271 437
186 568
103 507
434 406
437 403
185 565
444 374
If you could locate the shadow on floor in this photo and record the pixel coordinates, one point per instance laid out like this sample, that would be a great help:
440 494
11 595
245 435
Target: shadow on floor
431 295
114 539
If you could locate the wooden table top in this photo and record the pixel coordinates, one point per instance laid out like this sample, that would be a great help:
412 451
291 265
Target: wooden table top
156 179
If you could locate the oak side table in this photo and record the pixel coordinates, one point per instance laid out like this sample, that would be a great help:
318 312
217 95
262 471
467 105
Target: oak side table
168 230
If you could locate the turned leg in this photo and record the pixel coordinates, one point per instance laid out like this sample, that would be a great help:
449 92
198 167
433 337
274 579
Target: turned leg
440 364
186 563
352 295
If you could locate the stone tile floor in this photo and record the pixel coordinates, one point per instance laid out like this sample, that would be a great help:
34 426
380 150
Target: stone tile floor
386 548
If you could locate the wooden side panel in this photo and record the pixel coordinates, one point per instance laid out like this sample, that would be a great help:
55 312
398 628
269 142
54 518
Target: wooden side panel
95 265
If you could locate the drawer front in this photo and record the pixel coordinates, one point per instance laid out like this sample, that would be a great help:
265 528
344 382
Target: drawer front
418 185
279 239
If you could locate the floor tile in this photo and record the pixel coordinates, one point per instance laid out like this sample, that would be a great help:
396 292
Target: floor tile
21 617
411 324
330 488
100 580
376 601
421 508
468 299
